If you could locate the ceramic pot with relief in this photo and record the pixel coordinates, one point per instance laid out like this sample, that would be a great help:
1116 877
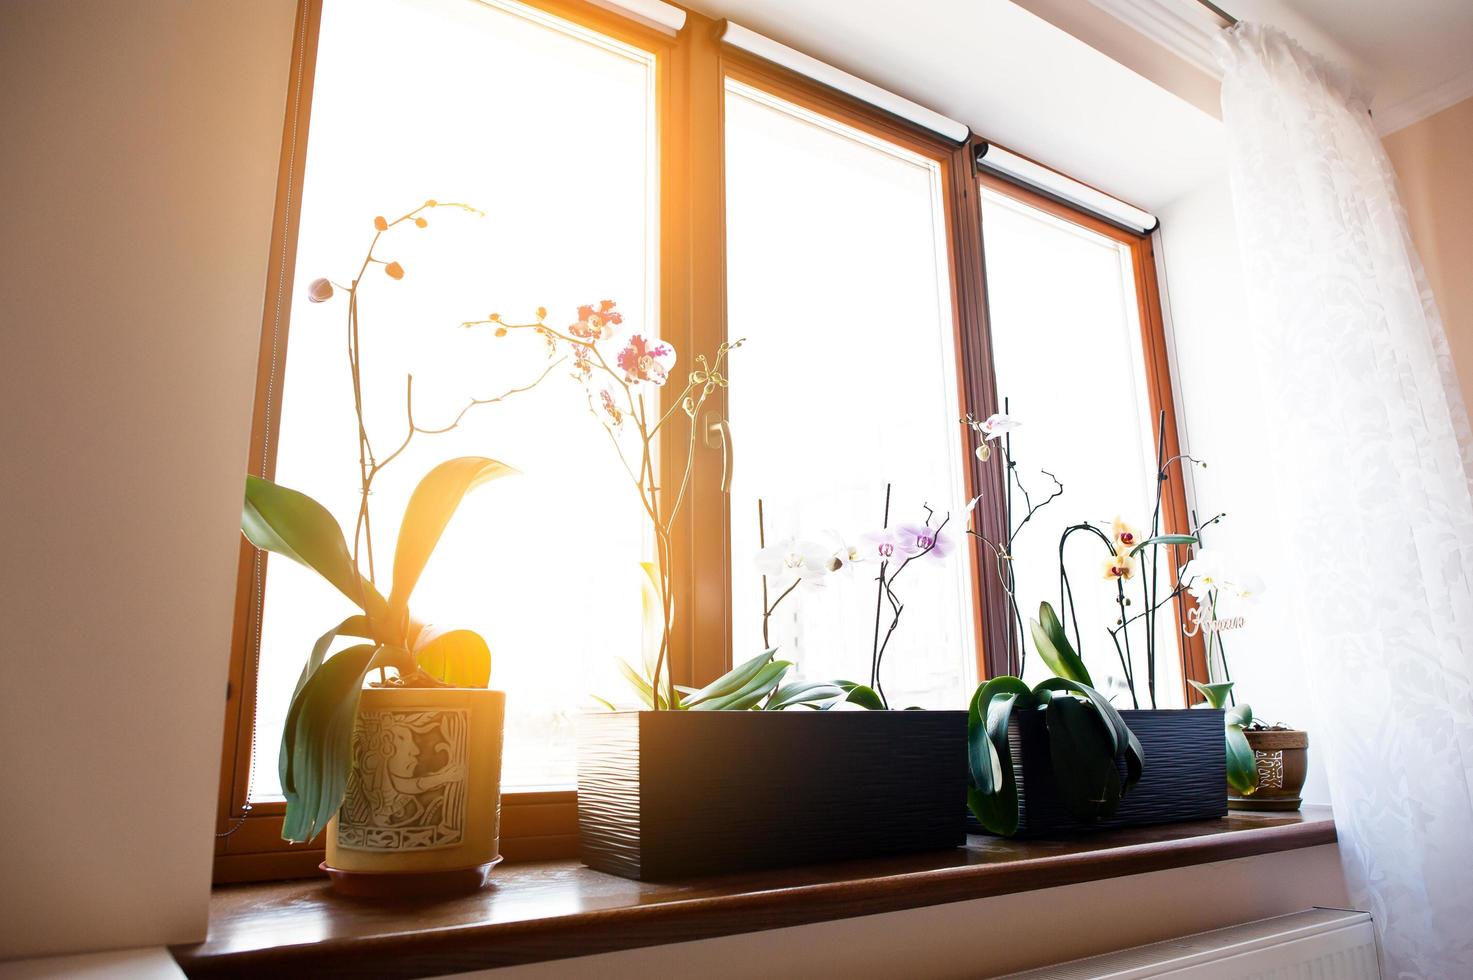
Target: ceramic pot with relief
1282 758
422 810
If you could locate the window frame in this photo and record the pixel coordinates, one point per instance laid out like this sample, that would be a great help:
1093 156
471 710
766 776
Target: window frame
691 71
535 825
1156 365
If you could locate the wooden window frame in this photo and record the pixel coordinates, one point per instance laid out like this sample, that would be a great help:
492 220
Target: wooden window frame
534 825
1175 511
691 72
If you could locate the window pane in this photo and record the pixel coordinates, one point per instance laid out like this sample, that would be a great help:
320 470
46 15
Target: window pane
1066 339
416 100
837 276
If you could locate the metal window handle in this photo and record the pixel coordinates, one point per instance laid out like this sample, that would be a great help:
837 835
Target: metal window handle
718 436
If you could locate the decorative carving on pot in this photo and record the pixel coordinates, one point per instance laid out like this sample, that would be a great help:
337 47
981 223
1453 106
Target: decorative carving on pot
407 789
1281 756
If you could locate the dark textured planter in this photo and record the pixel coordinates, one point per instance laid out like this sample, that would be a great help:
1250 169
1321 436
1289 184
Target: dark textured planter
1185 770
674 794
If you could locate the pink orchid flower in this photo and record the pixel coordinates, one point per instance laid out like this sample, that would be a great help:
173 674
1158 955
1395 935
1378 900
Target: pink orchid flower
643 360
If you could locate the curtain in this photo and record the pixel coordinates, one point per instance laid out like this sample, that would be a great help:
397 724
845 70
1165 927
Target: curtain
1370 457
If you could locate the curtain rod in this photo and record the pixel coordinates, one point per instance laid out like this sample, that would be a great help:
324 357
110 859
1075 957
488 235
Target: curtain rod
1232 21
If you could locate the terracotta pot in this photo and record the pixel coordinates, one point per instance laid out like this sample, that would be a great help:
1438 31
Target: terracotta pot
423 800
1283 762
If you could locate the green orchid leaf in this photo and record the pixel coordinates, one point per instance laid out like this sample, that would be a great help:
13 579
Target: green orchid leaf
653 610
992 791
1164 539
430 508
1216 694
861 694
317 743
731 681
459 658
1053 646
606 705
758 687
1238 715
808 693
1242 762
642 686
1123 740
290 523
1083 762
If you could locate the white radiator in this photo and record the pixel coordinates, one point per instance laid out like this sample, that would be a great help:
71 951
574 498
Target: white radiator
1317 944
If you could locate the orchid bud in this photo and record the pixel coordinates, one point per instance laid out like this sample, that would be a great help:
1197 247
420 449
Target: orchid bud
394 270
984 452
420 222
380 223
319 291
431 203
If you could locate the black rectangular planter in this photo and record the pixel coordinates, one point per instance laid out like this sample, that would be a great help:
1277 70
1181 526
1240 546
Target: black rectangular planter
1185 775
674 794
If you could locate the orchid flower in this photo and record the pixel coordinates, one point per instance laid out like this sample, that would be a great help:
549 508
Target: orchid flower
807 560
1203 574
925 540
1126 537
644 360
995 426
596 322
1119 568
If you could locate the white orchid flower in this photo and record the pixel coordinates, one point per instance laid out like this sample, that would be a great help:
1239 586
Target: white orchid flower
1204 574
997 425
808 561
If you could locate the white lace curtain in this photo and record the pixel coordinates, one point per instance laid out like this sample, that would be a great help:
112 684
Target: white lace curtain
1370 457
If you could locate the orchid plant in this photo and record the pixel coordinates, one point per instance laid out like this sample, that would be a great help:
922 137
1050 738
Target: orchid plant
999 427
316 747
1147 558
623 373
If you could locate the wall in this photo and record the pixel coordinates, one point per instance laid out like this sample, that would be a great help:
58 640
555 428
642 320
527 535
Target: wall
1224 425
1434 166
138 165
987 936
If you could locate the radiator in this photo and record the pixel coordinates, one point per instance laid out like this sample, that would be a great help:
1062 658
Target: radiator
1316 944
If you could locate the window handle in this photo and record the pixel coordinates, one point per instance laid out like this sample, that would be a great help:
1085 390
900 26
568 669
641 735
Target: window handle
718 436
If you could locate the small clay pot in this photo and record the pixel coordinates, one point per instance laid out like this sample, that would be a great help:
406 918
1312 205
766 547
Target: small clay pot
1282 755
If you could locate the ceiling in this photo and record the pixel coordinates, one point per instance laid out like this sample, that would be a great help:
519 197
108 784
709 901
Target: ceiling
1415 57
1013 78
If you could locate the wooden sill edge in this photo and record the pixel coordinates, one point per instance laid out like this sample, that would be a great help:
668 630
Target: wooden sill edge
427 950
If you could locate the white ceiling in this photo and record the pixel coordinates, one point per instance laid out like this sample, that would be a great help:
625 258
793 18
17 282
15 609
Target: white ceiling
1013 78
1414 56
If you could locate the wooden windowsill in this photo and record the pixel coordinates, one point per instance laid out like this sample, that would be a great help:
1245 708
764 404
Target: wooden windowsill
554 909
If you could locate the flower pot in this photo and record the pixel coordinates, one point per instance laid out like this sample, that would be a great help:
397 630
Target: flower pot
1282 757
1185 769
423 799
674 794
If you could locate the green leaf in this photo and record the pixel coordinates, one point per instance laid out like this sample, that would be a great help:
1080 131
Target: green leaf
803 692
731 681
287 522
1083 760
317 743
1053 646
1164 539
992 791
1122 740
459 658
760 685
1239 715
653 609
646 693
430 508
1216 694
608 706
1242 762
860 694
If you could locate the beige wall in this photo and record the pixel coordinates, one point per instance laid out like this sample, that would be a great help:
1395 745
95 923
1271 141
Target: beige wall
1434 164
987 936
138 166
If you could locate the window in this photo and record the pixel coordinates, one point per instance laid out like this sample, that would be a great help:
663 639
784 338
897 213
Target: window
713 196
839 279
1070 341
427 99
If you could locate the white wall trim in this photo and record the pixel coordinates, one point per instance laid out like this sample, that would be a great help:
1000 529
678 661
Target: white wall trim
663 17
1414 109
1183 27
780 54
